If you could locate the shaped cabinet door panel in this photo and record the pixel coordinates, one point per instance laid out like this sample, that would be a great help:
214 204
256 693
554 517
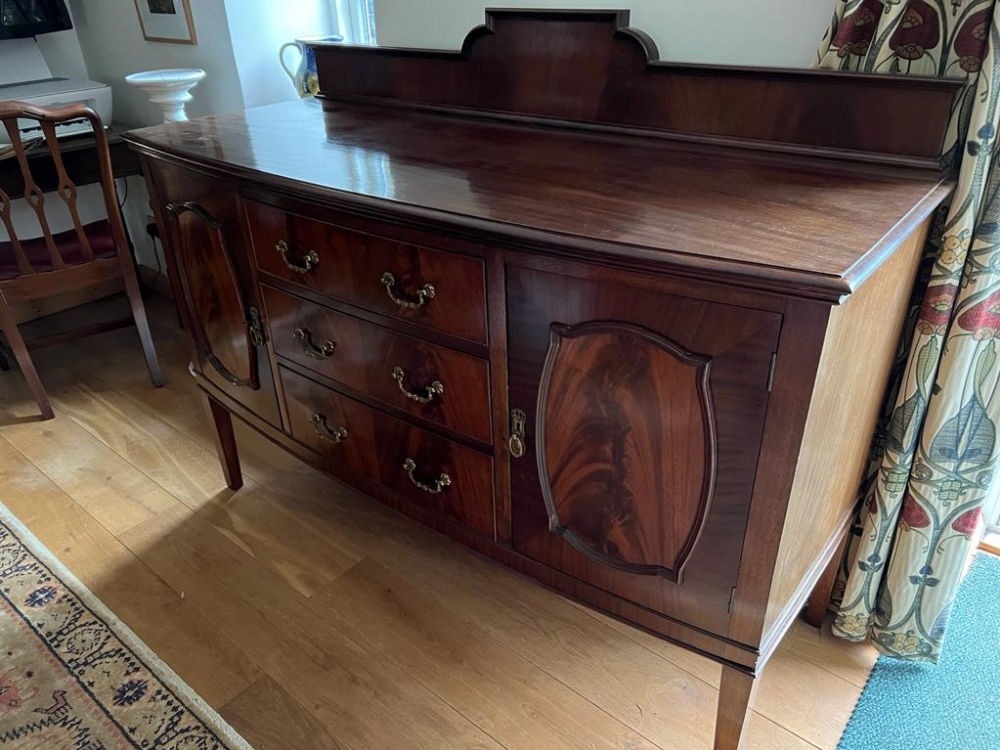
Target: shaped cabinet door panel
626 445
643 415
213 284
225 328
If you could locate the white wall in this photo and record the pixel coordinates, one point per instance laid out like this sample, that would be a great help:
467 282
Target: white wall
113 47
781 33
258 28
61 50
238 43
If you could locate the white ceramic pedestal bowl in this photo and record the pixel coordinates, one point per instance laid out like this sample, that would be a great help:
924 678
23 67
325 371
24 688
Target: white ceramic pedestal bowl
170 89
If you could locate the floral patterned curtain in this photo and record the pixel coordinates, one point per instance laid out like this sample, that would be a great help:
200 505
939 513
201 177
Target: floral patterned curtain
935 457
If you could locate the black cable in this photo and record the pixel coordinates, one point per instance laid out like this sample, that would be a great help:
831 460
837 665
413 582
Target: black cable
156 256
121 205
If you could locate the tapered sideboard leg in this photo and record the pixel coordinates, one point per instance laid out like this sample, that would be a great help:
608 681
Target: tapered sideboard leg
819 600
736 696
225 443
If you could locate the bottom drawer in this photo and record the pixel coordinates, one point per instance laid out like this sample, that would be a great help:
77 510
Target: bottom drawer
446 478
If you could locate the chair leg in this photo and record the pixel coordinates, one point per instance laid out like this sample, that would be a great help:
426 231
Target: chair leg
134 294
9 327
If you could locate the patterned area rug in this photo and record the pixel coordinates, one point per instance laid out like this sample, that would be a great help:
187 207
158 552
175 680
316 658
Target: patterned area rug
73 677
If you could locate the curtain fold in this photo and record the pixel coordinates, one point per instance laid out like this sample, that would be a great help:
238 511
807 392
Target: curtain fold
935 456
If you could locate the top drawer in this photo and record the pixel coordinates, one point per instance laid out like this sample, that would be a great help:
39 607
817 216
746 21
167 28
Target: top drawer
440 290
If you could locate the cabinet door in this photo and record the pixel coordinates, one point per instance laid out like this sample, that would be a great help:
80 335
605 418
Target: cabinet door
643 413
210 272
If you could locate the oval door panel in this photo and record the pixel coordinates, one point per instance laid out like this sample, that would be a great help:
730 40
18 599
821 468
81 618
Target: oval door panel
211 288
626 445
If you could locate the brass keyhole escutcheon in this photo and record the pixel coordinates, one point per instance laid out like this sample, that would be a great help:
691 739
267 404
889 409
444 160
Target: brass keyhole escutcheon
518 442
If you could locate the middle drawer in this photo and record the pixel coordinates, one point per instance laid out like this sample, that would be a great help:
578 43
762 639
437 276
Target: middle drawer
430 381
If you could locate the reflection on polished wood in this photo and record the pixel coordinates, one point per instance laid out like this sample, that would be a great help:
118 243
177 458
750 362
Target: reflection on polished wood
666 195
264 601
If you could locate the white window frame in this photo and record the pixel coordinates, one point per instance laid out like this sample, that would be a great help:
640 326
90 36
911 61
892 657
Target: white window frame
355 20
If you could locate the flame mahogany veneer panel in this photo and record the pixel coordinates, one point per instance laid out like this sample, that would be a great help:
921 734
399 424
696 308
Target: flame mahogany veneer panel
725 416
626 445
213 284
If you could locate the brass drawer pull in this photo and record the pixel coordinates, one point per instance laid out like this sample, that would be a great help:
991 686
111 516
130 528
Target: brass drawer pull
310 349
309 261
423 295
325 433
439 485
430 392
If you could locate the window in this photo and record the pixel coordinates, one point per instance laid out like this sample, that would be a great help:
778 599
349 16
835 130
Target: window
356 20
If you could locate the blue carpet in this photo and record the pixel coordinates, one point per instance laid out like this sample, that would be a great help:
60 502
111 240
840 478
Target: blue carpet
954 704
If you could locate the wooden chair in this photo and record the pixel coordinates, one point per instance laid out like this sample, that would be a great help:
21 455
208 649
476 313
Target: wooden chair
57 264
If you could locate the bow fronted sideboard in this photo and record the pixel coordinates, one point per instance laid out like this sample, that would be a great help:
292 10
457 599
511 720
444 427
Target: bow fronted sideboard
621 325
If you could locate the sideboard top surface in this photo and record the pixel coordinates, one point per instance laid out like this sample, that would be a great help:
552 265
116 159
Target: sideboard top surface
811 227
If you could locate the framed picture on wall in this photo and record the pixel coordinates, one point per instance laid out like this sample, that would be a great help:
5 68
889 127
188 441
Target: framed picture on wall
166 21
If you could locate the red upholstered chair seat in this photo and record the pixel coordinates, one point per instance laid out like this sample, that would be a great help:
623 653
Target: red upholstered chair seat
98 234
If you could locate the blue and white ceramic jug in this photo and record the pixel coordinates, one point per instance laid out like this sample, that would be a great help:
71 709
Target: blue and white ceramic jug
304 79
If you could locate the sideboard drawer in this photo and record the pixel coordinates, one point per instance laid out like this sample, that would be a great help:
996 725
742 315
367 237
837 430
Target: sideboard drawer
448 479
424 379
440 290
333 425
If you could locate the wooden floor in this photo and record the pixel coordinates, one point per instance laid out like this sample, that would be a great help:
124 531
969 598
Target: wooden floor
311 617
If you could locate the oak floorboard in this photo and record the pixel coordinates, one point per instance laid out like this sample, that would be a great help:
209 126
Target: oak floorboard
195 649
267 717
810 701
506 695
93 474
125 466
830 668
190 473
639 688
852 662
362 698
173 461
181 407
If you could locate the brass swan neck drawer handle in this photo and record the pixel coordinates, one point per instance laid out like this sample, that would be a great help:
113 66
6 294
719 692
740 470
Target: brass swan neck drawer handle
423 295
429 393
309 261
437 487
310 349
325 433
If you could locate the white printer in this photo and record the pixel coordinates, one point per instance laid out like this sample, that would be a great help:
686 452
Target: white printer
25 76
57 92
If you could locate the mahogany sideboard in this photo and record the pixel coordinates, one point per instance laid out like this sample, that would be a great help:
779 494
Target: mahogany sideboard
623 326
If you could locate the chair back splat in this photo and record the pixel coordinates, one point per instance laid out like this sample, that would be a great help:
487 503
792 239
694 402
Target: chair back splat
57 263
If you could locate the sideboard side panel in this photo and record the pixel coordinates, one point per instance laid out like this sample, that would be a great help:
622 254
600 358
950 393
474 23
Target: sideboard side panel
858 358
